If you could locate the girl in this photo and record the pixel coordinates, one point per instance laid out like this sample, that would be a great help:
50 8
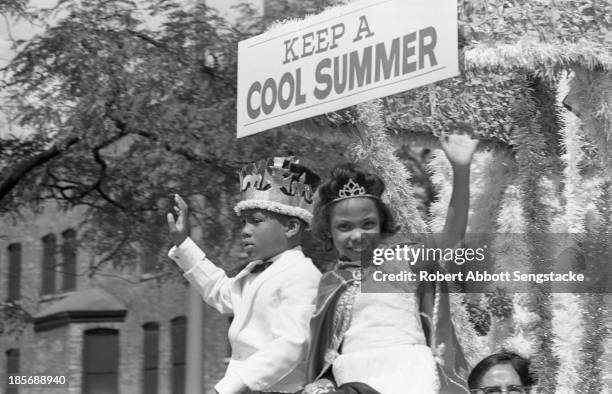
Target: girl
389 343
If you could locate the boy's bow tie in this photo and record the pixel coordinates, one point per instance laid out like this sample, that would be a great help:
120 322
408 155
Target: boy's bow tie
261 267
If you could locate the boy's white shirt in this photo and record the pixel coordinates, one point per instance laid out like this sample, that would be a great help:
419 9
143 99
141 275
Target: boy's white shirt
270 331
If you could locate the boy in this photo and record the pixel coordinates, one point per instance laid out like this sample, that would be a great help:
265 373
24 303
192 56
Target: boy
273 297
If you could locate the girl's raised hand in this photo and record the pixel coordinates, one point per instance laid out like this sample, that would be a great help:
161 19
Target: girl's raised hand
178 228
459 148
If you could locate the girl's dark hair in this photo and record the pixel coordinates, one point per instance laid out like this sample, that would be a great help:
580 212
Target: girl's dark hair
328 191
518 363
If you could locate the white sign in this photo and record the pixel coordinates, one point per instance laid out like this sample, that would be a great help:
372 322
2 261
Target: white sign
342 57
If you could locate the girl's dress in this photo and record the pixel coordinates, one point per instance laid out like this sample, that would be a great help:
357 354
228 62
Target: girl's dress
385 346
390 341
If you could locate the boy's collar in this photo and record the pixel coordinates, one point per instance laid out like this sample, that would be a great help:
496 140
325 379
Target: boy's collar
276 257
258 266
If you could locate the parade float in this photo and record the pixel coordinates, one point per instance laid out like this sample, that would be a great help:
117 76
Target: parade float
541 104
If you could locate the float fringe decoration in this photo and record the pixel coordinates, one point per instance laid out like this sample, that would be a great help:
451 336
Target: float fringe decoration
510 251
441 178
594 307
374 147
490 173
532 162
591 95
538 57
568 329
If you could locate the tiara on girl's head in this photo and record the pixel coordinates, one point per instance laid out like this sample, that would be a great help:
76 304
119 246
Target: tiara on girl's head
353 189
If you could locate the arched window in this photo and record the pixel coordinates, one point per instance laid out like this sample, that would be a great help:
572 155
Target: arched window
150 352
100 361
69 258
14 272
48 264
179 333
12 367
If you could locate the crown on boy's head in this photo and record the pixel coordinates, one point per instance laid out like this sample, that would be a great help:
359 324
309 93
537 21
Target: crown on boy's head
278 185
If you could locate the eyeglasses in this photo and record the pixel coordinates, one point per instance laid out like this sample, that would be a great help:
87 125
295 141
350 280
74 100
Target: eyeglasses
512 389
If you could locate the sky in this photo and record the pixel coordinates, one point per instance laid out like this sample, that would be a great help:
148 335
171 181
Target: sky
23 30
15 30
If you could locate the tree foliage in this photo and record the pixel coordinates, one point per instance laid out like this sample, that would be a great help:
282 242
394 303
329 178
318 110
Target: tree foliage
123 115
13 7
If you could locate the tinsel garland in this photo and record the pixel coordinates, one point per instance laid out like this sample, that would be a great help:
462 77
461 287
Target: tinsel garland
573 187
590 96
522 340
591 372
540 58
594 306
442 179
511 253
506 253
491 172
532 162
374 148
474 346
568 328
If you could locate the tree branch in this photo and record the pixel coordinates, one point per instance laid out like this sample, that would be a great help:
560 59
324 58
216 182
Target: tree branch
205 69
109 256
13 178
97 185
229 172
21 170
148 39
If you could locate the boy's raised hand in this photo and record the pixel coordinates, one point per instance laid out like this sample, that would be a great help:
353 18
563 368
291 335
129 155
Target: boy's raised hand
459 148
178 228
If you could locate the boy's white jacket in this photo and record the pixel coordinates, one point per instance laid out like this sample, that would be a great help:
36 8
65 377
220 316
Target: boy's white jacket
271 327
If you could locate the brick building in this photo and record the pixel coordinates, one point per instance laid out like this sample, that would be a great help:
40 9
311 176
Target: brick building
118 332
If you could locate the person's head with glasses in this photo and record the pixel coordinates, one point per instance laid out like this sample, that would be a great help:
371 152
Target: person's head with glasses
503 372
